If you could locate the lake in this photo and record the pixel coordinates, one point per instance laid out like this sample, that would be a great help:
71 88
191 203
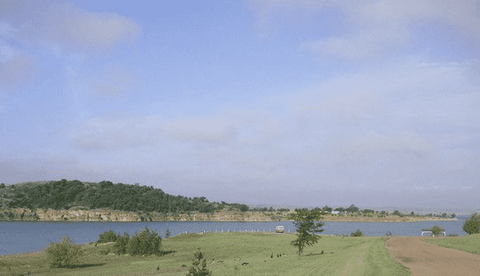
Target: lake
22 237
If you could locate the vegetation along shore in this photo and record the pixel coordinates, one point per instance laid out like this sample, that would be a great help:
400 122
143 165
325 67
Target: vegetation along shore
104 201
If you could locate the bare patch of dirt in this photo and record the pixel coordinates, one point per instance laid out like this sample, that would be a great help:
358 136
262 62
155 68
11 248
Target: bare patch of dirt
428 259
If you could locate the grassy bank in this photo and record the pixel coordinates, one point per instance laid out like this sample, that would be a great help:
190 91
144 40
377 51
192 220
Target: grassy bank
226 254
469 243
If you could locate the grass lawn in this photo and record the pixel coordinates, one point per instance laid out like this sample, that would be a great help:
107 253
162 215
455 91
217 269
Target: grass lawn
469 243
226 254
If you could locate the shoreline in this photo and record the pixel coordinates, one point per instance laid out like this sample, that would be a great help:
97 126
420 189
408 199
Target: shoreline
106 215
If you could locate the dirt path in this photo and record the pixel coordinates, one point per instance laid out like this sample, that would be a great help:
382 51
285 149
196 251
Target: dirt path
429 259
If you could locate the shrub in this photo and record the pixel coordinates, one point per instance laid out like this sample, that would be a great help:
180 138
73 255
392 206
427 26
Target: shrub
472 225
63 254
109 236
436 230
167 234
453 235
357 233
146 243
120 246
199 265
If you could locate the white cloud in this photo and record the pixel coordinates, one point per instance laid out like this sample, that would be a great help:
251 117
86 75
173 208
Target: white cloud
62 23
375 26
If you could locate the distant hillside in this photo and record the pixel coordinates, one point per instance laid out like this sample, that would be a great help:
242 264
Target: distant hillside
65 194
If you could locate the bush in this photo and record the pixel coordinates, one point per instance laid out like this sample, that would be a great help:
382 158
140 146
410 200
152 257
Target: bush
109 236
120 246
436 230
472 225
199 265
357 233
63 254
167 234
148 242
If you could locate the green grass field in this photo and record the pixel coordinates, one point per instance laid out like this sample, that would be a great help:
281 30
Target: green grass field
469 243
342 256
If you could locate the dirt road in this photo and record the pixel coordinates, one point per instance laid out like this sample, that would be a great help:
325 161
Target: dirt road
426 259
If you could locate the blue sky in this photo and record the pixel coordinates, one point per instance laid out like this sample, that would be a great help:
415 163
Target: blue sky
308 103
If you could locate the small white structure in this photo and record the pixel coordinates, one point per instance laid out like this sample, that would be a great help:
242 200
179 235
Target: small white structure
279 229
430 233
335 212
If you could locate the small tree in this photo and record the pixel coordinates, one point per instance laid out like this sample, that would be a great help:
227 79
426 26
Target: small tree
120 246
472 225
436 230
199 265
63 254
167 234
357 233
304 220
146 243
108 236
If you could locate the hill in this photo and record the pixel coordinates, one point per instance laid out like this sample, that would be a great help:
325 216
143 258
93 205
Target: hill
64 195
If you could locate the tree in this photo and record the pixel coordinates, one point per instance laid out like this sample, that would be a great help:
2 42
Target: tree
63 254
167 234
444 215
352 209
472 225
120 246
307 229
2 185
109 236
327 209
148 242
199 265
357 233
453 215
436 230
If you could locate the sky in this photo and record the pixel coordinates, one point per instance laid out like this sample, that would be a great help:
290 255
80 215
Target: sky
274 102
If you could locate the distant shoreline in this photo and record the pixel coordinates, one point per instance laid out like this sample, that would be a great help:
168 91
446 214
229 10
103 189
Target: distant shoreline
50 215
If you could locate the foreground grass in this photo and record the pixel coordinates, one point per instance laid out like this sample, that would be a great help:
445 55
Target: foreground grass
228 254
469 243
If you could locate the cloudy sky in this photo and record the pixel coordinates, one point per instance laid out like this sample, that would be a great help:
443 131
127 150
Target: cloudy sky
277 102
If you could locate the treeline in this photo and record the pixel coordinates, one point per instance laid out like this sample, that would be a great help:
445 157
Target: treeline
354 210
65 194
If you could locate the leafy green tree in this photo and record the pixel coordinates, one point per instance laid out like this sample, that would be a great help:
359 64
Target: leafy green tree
327 209
63 254
436 230
444 215
167 234
352 209
199 265
453 215
307 229
2 185
108 236
357 233
148 242
472 224
120 246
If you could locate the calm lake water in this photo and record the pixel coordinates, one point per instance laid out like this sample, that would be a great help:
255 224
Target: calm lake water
22 237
